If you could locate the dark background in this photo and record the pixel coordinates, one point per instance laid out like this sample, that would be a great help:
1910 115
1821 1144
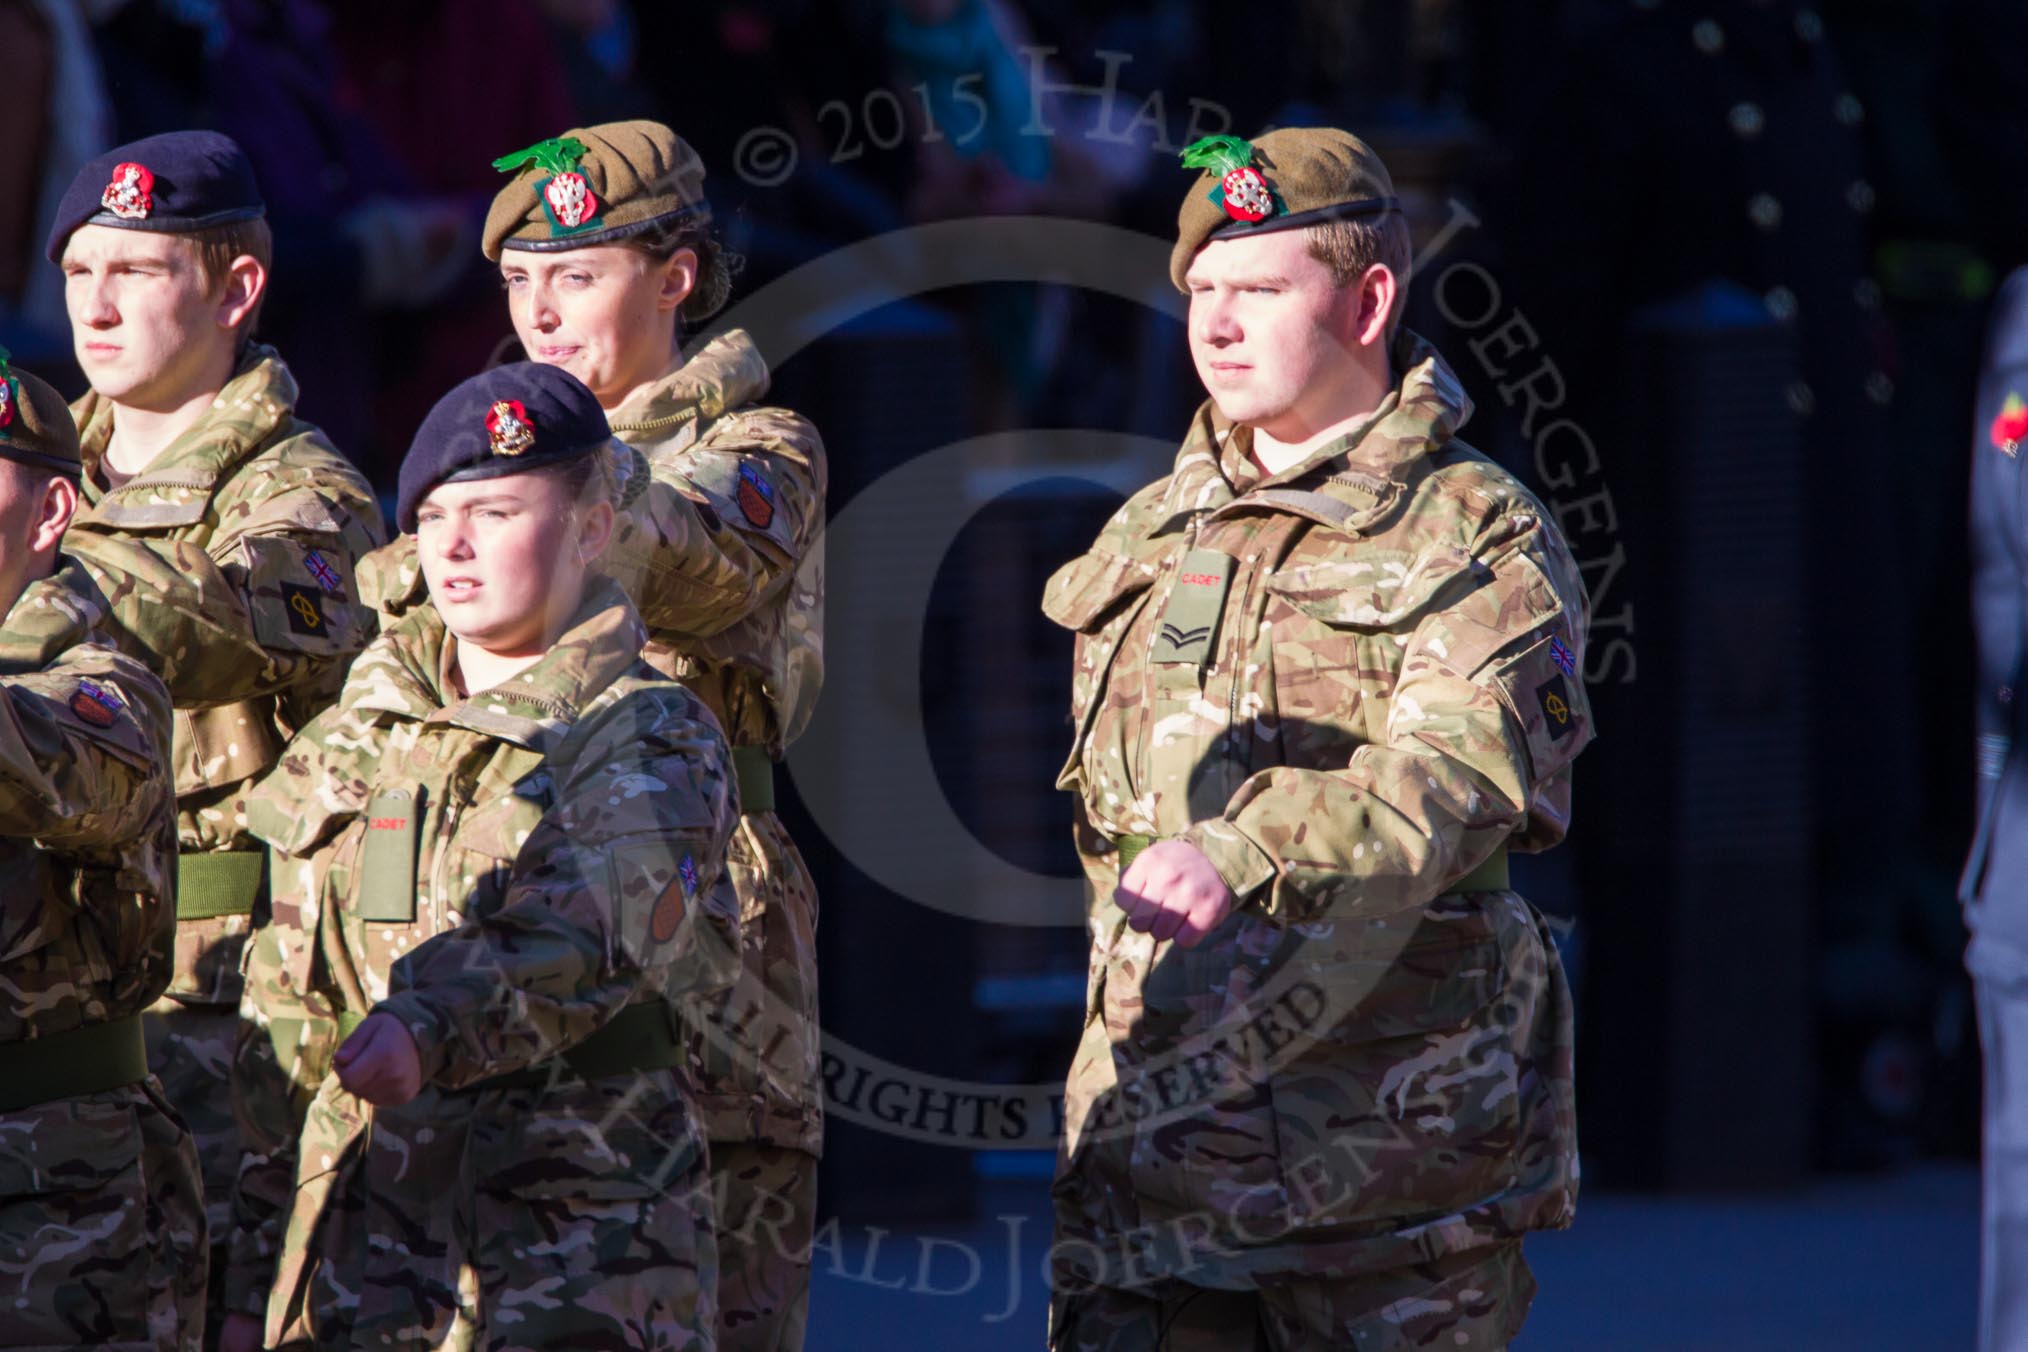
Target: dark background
1716 275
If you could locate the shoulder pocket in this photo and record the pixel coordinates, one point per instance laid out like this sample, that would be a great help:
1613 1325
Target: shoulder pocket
1084 591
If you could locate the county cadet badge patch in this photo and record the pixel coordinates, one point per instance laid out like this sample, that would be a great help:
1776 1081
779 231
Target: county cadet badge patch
1554 696
95 705
306 608
131 194
675 897
756 496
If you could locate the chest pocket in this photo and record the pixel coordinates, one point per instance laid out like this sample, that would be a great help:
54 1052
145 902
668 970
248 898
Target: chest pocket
1096 597
1341 625
226 745
475 866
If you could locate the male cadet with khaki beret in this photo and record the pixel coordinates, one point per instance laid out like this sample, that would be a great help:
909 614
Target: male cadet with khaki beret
246 607
1327 676
102 1236
604 241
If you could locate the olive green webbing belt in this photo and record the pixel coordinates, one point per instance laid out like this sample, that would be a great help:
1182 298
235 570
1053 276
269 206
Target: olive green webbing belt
639 1037
756 774
223 883
87 1060
1490 876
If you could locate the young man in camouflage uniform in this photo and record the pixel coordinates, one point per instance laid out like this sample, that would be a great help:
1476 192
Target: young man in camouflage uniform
719 545
1327 676
192 447
498 859
102 1237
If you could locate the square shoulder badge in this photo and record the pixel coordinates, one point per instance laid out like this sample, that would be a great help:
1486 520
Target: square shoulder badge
298 598
1558 718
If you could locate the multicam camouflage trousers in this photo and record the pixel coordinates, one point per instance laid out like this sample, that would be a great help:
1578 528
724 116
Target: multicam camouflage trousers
752 1061
578 1216
102 1238
190 1052
1468 1302
767 1218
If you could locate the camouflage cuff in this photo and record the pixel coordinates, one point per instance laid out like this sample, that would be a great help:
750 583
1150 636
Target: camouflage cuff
1245 866
425 1025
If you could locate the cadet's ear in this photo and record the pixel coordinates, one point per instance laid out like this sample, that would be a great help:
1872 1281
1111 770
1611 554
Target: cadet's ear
594 532
1378 287
679 279
52 519
245 280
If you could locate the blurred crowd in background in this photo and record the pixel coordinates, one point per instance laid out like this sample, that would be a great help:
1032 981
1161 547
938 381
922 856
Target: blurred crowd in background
1637 210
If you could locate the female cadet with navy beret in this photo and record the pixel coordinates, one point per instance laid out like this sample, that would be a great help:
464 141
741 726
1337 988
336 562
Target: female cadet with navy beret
495 862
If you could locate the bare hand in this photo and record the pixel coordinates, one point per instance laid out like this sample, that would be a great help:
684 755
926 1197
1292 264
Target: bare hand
380 1063
1172 891
240 1333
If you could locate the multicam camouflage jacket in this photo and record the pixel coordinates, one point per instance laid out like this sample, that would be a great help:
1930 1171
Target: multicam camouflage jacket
503 872
1350 685
87 827
720 544
248 611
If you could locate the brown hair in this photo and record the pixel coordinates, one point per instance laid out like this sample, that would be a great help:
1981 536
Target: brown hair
716 265
586 480
1349 247
218 245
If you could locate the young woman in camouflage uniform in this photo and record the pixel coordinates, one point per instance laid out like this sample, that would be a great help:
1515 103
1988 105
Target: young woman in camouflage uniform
496 862
605 250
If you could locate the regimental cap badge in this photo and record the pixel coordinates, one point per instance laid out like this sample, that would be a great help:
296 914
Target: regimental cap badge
508 427
2010 428
567 197
1242 190
10 394
131 193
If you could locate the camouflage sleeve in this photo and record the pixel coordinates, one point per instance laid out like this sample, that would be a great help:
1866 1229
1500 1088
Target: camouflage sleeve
1488 712
269 607
619 889
283 1053
83 751
720 527
390 578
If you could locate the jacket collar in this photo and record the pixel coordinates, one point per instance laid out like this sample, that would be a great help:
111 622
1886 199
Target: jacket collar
726 373
404 675
244 416
1348 483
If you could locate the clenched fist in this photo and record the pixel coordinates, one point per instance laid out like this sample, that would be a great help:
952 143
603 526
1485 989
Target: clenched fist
1172 892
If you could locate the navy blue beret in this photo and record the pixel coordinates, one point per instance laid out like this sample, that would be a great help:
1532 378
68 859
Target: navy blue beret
508 420
177 182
